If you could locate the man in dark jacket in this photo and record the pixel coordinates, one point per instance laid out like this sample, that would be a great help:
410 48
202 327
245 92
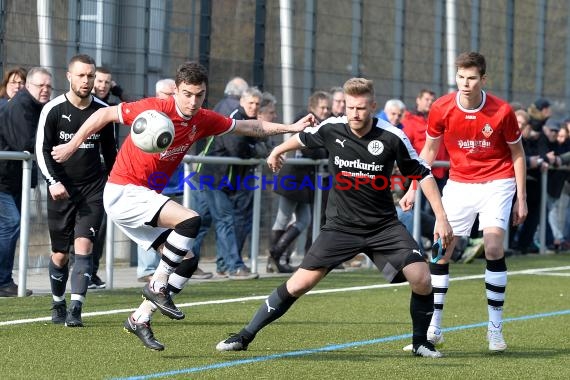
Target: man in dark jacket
19 123
222 196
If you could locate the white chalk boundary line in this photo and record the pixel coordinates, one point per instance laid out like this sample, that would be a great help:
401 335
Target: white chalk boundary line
553 271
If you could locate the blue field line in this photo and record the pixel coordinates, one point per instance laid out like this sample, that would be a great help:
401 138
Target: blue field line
333 347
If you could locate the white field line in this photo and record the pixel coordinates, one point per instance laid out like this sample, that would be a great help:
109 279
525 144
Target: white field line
543 271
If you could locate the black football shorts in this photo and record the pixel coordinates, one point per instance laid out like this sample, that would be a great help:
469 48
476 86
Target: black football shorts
390 249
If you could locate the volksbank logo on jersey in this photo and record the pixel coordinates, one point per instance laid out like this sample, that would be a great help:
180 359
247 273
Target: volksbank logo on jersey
473 144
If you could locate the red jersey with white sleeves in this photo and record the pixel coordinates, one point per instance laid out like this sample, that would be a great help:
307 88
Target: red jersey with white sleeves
133 166
477 140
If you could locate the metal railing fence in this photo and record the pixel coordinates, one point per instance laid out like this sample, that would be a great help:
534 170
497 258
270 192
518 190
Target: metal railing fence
255 235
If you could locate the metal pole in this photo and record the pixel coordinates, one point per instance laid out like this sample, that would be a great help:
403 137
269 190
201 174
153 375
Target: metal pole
543 221
186 197
398 66
451 44
356 38
318 202
259 44
540 47
45 35
109 252
475 21
437 46
286 27
24 225
417 230
309 54
256 218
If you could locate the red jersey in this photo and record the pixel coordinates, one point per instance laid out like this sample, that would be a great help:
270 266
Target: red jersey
133 166
415 126
477 140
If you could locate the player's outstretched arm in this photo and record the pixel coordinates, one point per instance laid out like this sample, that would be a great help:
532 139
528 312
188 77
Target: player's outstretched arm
258 128
93 124
276 158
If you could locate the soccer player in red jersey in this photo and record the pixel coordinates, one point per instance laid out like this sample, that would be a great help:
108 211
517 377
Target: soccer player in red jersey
487 168
132 196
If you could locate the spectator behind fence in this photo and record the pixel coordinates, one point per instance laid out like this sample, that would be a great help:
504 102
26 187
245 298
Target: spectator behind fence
415 125
249 147
338 102
490 169
560 212
293 216
103 86
393 112
319 104
221 197
524 235
140 210
18 126
550 150
75 187
539 111
14 80
232 94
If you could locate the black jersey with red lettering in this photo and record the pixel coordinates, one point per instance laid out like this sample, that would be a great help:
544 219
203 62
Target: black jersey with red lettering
360 199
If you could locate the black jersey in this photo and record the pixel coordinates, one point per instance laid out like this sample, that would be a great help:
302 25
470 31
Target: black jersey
360 199
59 121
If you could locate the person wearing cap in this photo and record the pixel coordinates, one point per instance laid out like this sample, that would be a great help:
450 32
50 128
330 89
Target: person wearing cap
539 112
550 150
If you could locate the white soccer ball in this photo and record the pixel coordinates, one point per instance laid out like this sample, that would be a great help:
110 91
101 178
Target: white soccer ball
152 131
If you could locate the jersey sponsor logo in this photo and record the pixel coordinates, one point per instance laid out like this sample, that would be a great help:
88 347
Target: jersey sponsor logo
473 145
470 117
487 130
66 136
341 143
357 164
168 155
68 117
375 147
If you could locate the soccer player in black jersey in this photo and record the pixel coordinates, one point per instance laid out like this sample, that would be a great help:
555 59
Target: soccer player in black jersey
75 202
360 215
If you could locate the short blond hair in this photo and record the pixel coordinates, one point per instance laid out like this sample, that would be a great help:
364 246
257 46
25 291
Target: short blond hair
359 86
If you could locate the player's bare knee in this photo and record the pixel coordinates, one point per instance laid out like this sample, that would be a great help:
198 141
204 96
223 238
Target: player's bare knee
299 285
494 251
60 258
